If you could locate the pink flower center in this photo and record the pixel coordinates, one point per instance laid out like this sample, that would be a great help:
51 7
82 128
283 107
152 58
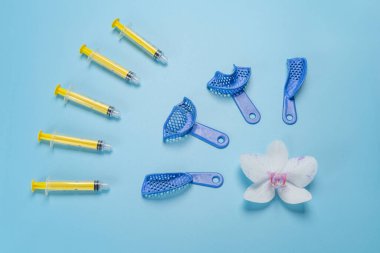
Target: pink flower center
277 180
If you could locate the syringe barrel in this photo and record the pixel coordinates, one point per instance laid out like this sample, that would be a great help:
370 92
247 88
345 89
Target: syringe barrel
70 186
83 100
134 37
73 141
105 62
48 185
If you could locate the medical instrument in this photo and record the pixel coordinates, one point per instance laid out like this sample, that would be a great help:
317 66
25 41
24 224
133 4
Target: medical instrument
167 184
72 141
68 95
87 186
233 85
297 68
108 64
182 121
157 54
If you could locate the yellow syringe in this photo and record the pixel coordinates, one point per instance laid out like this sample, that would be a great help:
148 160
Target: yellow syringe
72 141
89 186
156 53
68 95
108 64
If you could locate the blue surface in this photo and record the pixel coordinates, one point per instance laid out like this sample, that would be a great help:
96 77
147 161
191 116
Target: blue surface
337 123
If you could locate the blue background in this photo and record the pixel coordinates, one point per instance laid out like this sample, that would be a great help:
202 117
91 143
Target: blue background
336 108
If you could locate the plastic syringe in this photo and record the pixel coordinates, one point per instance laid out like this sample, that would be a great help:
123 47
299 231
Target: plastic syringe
108 64
73 141
156 53
89 186
68 95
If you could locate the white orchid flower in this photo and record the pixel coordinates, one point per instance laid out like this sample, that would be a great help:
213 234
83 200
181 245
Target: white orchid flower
273 171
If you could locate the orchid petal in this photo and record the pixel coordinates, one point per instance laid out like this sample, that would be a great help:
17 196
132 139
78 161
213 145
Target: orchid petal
292 194
260 193
255 167
277 156
301 170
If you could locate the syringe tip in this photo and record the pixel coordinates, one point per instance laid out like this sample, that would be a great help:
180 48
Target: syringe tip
115 113
135 80
163 59
131 77
106 147
104 187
